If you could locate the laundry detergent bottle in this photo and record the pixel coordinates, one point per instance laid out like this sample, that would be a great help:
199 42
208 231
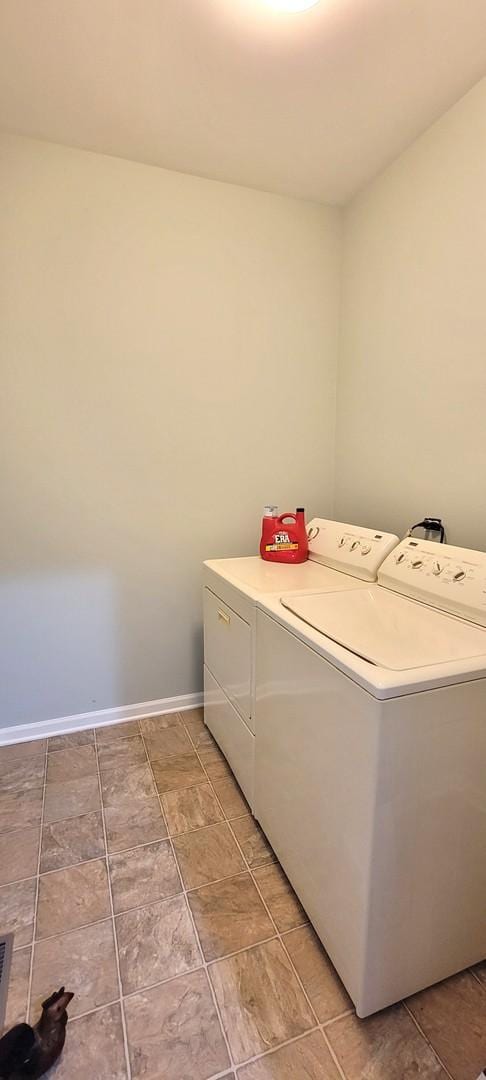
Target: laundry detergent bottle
284 536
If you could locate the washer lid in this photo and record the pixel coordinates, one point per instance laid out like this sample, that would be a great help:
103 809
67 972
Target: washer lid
387 630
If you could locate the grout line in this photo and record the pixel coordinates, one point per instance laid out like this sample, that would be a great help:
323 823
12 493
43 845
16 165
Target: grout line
95 1009
273 1049
162 982
70 930
334 1019
18 881
75 746
427 1040
195 930
37 886
237 952
113 929
333 1055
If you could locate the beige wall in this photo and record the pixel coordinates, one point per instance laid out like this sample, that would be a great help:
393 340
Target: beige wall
411 427
168 355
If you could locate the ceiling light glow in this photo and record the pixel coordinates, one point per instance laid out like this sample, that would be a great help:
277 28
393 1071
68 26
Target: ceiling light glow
291 5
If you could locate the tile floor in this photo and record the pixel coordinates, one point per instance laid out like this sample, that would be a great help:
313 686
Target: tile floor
131 871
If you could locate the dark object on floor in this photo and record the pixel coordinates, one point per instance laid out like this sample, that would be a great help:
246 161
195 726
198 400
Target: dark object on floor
27 1053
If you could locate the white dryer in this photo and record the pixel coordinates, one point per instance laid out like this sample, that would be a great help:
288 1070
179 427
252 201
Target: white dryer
341 557
371 766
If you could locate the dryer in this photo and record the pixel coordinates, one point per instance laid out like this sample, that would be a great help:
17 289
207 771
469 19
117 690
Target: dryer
371 766
341 557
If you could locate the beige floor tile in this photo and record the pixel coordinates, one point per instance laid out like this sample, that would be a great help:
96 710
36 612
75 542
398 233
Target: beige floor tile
18 751
260 999
229 915
20 776
207 855
199 733
75 738
20 810
167 742
306 1059
190 715
94 1048
156 943
70 841
319 978
127 785
191 808
143 875
126 829
122 752
18 988
453 1016
72 764
179 771
386 1046
72 897
17 907
255 847
280 897
67 799
116 731
150 725
231 797
82 960
215 763
176 1024
19 853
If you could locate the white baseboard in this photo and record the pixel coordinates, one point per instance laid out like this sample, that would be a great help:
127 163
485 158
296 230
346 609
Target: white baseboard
64 725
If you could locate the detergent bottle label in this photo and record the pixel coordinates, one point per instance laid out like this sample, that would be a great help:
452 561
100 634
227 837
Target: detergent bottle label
281 542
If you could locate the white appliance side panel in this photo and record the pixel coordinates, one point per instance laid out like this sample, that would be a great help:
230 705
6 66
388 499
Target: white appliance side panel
227 651
428 898
232 596
315 779
231 734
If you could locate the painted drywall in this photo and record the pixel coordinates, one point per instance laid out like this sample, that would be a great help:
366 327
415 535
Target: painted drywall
411 430
168 352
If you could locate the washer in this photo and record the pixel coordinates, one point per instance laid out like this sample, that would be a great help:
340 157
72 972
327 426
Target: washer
371 766
341 557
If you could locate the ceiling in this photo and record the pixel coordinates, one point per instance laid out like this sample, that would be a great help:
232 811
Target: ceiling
311 104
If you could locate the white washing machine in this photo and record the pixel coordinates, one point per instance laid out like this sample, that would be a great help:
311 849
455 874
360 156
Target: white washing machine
371 766
341 557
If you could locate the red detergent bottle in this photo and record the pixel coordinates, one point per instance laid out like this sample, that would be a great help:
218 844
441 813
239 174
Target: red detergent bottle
284 536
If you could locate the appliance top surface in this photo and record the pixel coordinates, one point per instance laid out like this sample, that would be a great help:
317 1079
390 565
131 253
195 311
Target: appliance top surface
389 631
256 575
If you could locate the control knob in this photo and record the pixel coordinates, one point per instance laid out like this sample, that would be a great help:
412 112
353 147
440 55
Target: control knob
459 575
342 541
400 557
416 564
365 549
354 545
436 568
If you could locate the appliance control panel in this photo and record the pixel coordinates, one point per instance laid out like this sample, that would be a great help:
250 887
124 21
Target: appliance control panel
349 548
447 577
